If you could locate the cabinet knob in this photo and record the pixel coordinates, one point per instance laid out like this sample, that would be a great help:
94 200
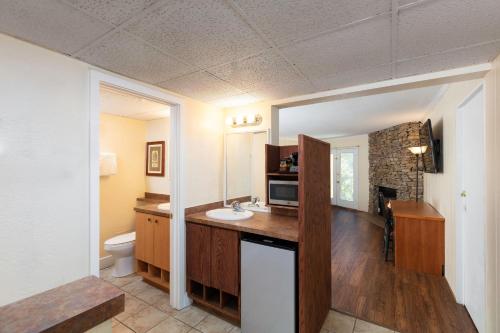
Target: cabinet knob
149 220
156 221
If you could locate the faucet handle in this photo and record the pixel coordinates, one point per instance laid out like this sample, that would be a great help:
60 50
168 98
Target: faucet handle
235 205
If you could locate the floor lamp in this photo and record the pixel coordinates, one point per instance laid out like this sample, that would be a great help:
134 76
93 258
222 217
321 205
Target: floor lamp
417 151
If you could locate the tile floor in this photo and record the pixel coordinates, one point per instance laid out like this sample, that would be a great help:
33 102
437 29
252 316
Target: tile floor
147 309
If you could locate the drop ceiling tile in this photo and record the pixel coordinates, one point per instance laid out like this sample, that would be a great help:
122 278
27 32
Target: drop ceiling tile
204 33
200 85
50 24
114 12
449 60
287 21
284 89
436 26
256 72
360 46
355 77
124 54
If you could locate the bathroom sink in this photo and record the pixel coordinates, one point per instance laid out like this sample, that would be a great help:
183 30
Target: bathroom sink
164 206
229 214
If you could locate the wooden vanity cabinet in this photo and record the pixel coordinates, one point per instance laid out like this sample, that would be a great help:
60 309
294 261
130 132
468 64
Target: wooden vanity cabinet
225 254
152 248
213 268
198 253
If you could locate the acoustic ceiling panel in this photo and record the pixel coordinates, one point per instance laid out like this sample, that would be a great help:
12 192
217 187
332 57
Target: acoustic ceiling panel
204 33
50 24
121 53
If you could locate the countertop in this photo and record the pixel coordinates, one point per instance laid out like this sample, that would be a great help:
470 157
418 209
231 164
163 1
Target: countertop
74 307
266 224
149 206
414 209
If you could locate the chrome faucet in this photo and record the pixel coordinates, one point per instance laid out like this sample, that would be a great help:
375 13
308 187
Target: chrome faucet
255 202
235 205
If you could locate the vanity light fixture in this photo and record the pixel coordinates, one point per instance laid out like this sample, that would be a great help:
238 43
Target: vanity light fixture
244 120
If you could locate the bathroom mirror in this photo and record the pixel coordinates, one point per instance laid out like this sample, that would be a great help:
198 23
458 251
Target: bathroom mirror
244 167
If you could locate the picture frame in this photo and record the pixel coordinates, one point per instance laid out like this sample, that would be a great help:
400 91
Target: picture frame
155 158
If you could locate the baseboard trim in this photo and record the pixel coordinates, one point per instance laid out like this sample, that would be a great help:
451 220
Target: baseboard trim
106 262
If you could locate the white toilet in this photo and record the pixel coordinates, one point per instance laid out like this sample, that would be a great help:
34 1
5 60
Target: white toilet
121 247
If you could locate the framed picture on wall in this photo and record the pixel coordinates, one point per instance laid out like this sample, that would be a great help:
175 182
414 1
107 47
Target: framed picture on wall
155 158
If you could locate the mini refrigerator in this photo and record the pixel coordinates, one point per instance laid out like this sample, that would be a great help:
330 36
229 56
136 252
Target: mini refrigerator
268 285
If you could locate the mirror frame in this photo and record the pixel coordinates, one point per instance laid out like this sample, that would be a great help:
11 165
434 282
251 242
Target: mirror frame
267 131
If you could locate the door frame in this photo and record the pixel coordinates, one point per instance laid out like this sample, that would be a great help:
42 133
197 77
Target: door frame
335 151
460 230
178 294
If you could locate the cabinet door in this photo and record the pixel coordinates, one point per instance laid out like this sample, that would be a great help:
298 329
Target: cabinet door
149 238
140 235
198 253
225 260
162 242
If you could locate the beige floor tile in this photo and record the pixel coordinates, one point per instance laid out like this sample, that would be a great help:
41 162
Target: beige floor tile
132 306
114 322
338 323
164 305
191 315
362 326
120 328
236 329
136 287
170 325
145 320
152 295
213 324
123 281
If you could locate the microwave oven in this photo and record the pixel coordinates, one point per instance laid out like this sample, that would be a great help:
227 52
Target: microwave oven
283 192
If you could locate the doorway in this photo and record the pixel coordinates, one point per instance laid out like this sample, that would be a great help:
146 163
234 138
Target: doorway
178 294
471 206
344 177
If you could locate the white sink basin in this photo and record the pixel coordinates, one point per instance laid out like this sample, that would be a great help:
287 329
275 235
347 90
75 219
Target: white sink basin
229 214
164 206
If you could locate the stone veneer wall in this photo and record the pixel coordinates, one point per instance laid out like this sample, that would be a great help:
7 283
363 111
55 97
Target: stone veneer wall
392 164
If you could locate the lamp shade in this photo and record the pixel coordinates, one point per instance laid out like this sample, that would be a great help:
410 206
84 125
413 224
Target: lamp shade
418 150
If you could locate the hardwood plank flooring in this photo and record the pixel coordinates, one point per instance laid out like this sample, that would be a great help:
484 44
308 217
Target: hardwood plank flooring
367 287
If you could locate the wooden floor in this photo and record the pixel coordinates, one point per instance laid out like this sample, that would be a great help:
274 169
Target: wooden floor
367 287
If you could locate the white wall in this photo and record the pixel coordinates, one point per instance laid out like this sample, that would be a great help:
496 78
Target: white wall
439 189
360 141
44 167
159 130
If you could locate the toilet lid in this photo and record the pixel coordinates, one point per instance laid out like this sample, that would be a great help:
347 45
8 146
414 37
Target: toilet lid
121 239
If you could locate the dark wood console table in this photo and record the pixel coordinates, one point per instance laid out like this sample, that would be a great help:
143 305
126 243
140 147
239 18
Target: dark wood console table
418 237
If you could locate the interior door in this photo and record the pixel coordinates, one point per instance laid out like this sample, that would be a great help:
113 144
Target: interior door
472 165
344 175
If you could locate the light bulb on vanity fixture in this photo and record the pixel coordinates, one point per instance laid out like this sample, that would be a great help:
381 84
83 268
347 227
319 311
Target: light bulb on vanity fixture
244 120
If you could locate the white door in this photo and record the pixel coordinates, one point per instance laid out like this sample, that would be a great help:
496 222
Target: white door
471 204
344 175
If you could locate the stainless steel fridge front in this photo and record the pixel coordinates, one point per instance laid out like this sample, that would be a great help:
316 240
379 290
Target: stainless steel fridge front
268 286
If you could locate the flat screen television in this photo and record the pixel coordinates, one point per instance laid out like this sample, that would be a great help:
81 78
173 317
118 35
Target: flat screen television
431 157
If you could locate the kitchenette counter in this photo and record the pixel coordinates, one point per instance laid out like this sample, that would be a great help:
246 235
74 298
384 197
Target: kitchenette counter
271 225
151 207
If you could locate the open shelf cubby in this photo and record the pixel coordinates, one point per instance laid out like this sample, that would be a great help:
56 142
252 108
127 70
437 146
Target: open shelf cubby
215 300
154 275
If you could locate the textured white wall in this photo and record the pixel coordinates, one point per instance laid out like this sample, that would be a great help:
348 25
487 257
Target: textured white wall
439 189
44 169
159 130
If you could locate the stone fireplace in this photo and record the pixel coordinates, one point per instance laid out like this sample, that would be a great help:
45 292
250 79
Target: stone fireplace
392 165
